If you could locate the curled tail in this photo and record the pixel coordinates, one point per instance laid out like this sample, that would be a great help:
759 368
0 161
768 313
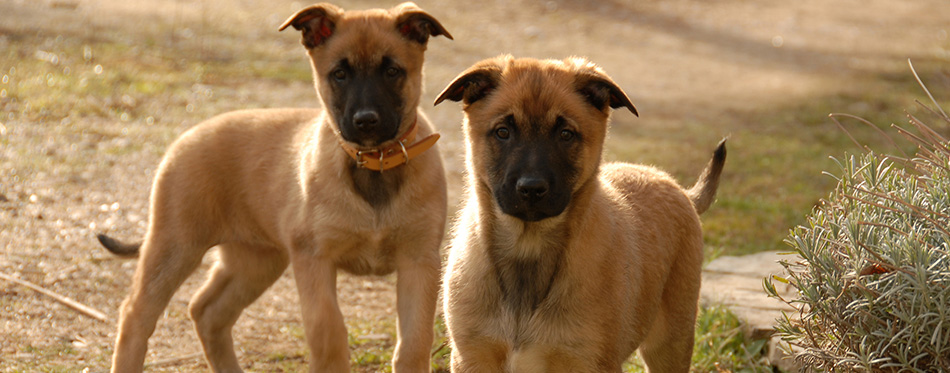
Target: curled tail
118 247
704 191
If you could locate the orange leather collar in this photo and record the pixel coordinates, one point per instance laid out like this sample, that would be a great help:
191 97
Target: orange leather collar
395 154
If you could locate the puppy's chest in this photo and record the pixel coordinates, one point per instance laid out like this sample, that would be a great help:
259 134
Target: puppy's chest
525 286
357 229
378 189
366 253
358 246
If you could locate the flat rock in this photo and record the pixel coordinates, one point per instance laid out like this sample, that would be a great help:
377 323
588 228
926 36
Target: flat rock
736 282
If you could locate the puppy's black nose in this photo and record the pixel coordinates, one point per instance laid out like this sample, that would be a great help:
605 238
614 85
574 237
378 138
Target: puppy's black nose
366 120
532 189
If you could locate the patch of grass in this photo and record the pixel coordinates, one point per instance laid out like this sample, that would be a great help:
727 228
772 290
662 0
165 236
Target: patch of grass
81 91
60 349
285 72
67 83
282 362
776 155
720 346
57 357
294 331
442 351
372 344
113 77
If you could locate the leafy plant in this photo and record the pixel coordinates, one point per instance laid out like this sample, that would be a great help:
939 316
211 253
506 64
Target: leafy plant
873 273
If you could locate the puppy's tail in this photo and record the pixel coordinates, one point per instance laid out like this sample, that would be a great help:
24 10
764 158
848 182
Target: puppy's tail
127 250
704 191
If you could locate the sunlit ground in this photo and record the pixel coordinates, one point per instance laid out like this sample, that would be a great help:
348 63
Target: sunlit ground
92 92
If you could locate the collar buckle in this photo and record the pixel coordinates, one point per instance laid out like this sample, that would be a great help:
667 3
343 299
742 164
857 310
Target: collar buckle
405 153
360 162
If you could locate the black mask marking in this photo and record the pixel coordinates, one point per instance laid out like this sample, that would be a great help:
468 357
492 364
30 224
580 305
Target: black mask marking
367 102
532 169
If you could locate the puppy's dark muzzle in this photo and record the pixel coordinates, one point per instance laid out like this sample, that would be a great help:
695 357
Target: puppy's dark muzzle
368 127
531 198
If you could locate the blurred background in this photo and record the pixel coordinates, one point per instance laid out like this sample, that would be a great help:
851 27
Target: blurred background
93 91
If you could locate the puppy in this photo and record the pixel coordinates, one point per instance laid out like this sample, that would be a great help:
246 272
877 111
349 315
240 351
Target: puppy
560 264
357 186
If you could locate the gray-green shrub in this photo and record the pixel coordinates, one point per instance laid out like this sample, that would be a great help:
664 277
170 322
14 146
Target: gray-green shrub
873 268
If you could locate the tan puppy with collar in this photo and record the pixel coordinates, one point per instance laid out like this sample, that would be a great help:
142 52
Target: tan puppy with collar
559 263
356 186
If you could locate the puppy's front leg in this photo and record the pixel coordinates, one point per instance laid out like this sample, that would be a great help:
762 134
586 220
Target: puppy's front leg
416 294
325 330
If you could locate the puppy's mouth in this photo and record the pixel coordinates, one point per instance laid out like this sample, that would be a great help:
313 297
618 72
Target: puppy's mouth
532 215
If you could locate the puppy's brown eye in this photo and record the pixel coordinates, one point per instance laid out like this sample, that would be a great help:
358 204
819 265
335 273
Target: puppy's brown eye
339 75
392 72
502 133
567 135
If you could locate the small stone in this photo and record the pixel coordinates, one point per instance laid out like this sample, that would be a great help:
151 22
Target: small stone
778 358
375 337
533 32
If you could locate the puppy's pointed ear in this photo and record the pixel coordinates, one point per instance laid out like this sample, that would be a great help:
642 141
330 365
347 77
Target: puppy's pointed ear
596 87
472 84
315 22
417 25
600 91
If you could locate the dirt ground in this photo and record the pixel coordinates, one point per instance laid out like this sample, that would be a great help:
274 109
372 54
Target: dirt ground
695 69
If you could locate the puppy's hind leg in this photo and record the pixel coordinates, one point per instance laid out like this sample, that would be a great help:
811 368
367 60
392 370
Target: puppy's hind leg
669 345
240 276
163 265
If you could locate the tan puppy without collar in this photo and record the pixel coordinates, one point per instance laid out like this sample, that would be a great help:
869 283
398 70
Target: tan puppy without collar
559 263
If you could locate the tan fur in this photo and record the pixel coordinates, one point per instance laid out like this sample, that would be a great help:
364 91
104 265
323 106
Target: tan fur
630 243
271 188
